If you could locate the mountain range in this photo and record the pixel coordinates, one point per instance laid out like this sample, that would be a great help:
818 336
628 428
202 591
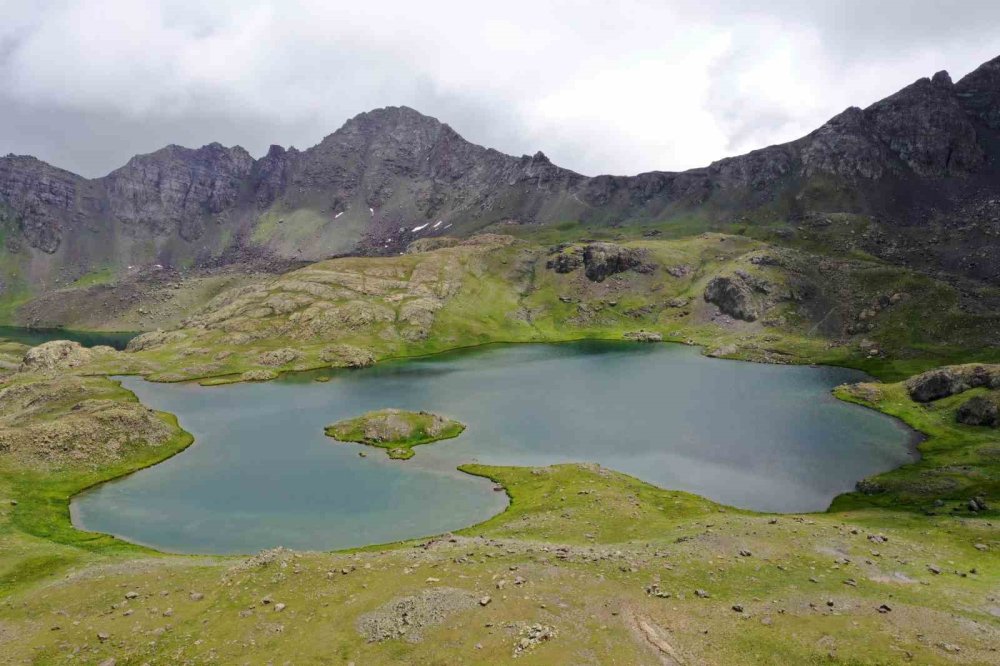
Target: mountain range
920 168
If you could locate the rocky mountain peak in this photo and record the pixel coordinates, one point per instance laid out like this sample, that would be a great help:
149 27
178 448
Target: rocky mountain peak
176 186
942 78
392 174
979 93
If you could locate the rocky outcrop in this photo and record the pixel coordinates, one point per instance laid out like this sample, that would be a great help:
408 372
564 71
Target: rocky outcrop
277 357
42 202
979 411
565 260
59 355
951 380
258 375
733 296
643 336
348 356
601 260
55 421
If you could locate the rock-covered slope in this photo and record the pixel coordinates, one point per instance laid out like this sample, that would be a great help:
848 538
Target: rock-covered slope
920 165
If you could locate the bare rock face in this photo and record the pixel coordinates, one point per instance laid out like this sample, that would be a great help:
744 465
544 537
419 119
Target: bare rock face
845 146
43 200
926 127
271 173
733 296
178 186
603 259
979 93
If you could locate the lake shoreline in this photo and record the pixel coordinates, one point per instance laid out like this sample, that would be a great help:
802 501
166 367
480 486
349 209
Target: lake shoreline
616 347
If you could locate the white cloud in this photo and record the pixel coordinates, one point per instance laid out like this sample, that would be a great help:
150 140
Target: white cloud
618 88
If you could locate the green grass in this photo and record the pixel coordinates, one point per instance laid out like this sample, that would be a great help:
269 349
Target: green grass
36 535
95 277
957 461
418 431
587 541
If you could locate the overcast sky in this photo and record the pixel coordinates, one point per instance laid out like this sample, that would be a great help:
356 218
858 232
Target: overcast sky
601 87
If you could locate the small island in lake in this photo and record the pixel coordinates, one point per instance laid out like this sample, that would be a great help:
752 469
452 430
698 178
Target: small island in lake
395 430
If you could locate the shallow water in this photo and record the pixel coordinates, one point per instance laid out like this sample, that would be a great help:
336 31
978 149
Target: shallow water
262 474
36 336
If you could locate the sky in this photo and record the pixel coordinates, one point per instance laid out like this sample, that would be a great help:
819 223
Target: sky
601 87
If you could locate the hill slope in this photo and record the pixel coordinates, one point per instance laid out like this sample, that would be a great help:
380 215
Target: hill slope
920 167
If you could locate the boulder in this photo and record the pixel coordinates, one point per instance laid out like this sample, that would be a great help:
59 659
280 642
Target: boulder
934 385
952 380
979 411
733 296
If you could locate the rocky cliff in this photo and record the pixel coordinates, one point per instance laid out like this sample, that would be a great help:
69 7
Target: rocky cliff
921 166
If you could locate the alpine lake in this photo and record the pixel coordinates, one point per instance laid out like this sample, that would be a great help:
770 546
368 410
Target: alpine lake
262 474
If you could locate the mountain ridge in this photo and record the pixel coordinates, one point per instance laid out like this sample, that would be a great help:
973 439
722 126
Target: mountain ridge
918 164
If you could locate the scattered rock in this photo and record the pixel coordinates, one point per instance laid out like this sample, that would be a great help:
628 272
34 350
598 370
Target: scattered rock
405 617
643 336
259 375
977 504
532 636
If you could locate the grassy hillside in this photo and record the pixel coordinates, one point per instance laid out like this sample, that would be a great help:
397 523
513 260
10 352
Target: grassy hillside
806 308
586 566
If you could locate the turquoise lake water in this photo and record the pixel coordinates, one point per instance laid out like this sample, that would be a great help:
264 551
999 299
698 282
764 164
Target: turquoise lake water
261 472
